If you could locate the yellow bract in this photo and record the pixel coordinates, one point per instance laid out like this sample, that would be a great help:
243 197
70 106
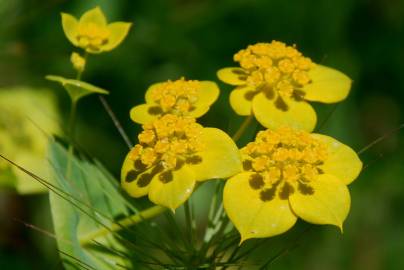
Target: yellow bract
92 32
290 173
181 97
283 79
173 154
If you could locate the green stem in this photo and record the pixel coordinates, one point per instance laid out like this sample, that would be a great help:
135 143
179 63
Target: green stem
242 127
72 124
190 224
124 223
79 73
72 120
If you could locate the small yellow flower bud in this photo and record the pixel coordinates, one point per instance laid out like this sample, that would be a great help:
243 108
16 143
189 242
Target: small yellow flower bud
79 63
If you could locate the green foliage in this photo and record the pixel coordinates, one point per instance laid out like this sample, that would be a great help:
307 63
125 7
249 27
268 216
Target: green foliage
83 203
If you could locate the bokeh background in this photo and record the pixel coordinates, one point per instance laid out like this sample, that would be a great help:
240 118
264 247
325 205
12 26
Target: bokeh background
194 38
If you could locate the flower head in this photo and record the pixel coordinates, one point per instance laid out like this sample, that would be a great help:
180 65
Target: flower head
173 154
181 97
92 33
287 174
275 81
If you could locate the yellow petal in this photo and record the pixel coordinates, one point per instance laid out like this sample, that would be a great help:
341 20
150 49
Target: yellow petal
328 204
299 115
149 91
253 217
141 114
136 181
95 16
199 111
328 85
232 75
70 24
207 93
241 100
118 31
175 192
220 158
342 161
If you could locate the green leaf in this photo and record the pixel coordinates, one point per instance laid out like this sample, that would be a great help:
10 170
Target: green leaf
7 177
91 187
77 89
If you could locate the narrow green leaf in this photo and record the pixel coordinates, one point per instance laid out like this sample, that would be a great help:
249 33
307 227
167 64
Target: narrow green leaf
88 184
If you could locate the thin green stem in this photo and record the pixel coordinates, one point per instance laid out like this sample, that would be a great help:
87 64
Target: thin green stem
80 72
116 121
381 138
72 124
242 127
124 223
72 120
190 225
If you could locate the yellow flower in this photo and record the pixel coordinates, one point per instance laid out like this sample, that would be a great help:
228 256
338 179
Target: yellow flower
92 33
298 174
181 97
173 154
275 81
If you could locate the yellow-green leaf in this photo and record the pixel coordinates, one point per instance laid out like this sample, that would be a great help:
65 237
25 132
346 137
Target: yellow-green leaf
298 115
232 75
342 161
219 159
253 217
172 188
329 204
327 85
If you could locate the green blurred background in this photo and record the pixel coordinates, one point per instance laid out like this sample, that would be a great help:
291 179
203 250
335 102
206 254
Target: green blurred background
195 38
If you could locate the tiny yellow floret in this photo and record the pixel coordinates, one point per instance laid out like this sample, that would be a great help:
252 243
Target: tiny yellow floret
274 63
166 140
179 97
295 154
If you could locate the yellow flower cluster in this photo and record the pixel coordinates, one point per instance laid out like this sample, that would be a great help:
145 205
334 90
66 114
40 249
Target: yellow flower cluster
190 98
275 82
285 155
170 139
176 97
282 67
289 173
92 36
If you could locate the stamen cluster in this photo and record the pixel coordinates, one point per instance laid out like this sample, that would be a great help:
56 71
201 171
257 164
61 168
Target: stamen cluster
169 140
285 154
281 67
176 97
92 36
